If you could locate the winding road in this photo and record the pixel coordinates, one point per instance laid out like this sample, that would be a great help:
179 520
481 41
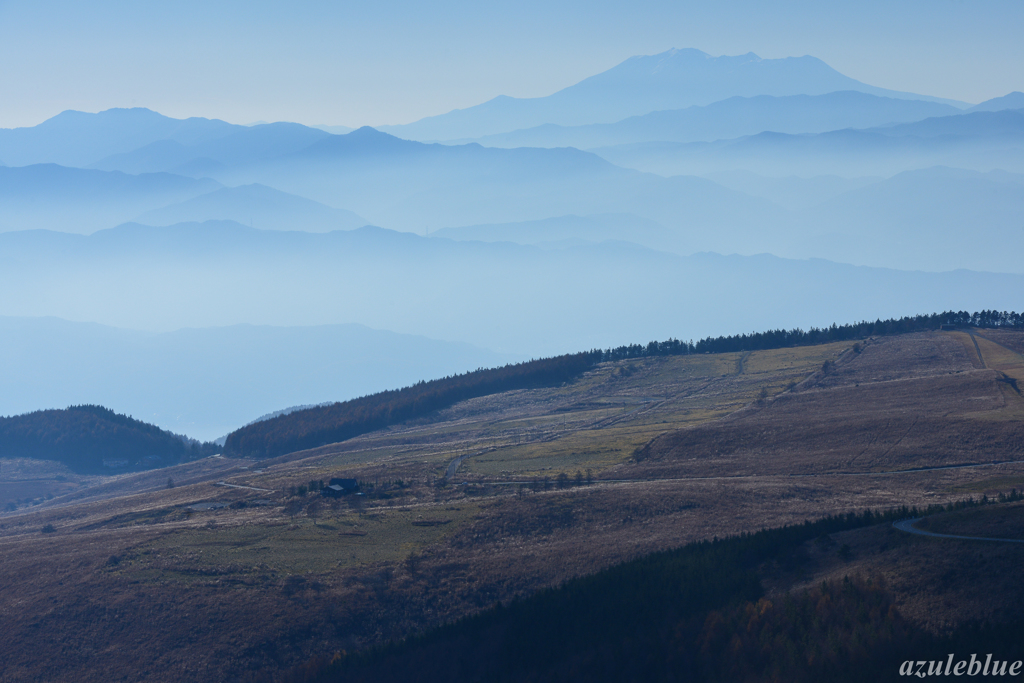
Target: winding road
907 525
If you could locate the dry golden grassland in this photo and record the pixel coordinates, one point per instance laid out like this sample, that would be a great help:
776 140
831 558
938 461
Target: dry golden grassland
1002 353
900 404
134 578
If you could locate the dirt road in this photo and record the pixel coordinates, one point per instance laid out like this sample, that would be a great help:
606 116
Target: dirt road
907 525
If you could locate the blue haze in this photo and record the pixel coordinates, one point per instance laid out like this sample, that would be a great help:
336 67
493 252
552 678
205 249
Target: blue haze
200 273
397 61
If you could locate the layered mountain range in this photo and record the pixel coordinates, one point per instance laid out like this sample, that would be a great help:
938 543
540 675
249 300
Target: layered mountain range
677 194
670 80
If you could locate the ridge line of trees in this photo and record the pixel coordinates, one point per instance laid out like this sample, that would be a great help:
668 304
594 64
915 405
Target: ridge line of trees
321 425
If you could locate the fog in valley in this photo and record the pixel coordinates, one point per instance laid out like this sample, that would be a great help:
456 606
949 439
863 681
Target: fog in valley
551 342
198 274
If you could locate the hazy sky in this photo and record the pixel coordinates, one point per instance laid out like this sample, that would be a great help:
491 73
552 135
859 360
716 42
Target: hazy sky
394 61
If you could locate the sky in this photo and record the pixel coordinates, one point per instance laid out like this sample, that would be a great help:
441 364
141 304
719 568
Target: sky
395 61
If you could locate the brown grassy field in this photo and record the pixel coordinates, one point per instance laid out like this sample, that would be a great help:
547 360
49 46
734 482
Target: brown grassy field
141 582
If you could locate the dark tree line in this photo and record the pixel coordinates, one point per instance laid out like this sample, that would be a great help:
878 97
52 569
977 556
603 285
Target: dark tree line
321 425
779 339
328 424
93 439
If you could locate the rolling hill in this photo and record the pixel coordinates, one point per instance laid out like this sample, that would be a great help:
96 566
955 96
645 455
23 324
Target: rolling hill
91 439
540 514
324 424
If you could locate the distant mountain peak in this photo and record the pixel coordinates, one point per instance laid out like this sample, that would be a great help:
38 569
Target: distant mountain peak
677 53
694 54
364 135
674 79
73 116
362 140
368 131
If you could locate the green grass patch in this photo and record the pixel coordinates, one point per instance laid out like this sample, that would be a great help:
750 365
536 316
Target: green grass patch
301 546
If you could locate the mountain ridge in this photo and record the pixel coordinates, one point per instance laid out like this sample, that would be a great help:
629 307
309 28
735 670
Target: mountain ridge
981 140
731 118
75 138
511 298
680 78
70 199
244 145
256 204
410 185
1013 100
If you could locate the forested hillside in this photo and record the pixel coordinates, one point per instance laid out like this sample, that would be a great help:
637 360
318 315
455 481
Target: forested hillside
94 439
322 425
698 613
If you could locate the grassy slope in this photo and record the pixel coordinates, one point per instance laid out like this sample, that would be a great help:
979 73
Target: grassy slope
267 590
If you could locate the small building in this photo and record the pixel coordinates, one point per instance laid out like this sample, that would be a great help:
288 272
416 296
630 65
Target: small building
115 463
339 487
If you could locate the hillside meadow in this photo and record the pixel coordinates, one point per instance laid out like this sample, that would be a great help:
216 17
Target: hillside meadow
238 571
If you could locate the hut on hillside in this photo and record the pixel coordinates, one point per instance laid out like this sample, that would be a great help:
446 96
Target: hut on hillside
339 487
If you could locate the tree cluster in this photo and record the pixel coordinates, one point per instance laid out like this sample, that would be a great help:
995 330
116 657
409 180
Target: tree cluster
778 339
93 439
